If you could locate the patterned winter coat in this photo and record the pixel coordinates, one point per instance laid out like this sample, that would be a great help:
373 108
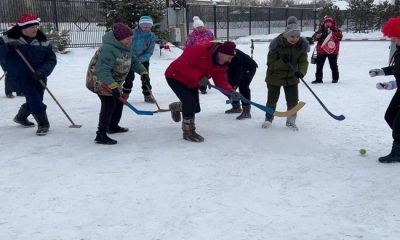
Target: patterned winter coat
196 62
278 72
394 66
336 34
111 64
38 52
143 44
199 38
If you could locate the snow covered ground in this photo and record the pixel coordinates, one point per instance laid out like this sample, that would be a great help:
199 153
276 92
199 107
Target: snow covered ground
242 183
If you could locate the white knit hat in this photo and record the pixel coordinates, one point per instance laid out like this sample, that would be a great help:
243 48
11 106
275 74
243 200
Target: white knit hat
197 22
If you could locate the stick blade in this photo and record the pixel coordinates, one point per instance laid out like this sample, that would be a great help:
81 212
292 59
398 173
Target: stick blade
291 112
75 126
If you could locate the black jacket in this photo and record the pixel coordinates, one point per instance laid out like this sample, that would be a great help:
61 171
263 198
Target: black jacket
242 65
394 66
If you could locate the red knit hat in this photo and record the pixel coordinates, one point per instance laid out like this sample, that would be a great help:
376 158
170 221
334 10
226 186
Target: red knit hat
329 19
27 20
392 27
227 48
122 31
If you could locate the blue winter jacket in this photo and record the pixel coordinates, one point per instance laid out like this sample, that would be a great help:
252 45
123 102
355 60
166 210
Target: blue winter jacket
143 44
38 52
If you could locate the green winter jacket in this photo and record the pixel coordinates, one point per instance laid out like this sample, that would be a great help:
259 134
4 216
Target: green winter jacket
111 64
278 72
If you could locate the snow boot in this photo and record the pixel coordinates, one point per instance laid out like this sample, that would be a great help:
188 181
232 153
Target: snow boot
117 129
267 123
245 114
317 81
149 99
235 108
189 131
22 118
291 123
176 109
43 123
102 138
10 95
394 155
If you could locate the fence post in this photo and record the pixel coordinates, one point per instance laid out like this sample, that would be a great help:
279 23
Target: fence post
315 20
215 20
55 14
187 18
227 23
347 21
269 20
301 21
249 20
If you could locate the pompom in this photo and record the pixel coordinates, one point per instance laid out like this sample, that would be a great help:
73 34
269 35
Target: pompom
392 27
196 18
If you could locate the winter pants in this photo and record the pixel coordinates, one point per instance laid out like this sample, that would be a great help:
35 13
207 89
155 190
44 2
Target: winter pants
291 94
332 63
188 96
145 91
34 99
244 85
7 88
392 116
110 112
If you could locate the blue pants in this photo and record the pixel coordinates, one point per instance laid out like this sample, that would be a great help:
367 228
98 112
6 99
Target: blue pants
34 100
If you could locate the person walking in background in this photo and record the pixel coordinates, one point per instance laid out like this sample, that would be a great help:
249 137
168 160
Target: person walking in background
110 65
392 116
199 36
287 47
33 44
143 47
328 38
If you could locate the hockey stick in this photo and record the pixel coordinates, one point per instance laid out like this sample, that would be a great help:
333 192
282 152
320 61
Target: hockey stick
155 101
266 109
2 76
336 117
48 90
252 48
124 101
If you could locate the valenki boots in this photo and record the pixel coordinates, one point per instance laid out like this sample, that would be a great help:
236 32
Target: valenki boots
189 133
22 118
235 108
176 109
291 123
245 114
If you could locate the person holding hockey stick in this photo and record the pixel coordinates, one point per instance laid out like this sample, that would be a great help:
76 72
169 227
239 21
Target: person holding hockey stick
190 71
392 116
287 47
241 71
26 38
110 65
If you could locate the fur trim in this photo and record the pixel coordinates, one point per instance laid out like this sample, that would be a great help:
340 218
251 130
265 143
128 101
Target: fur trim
15 33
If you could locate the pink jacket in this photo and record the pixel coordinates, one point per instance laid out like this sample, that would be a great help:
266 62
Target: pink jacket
199 38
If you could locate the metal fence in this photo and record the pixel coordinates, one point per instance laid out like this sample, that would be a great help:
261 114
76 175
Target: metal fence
81 18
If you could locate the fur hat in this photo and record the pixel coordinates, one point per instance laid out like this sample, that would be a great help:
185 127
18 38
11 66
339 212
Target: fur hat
145 21
122 31
27 20
197 22
227 48
292 28
392 27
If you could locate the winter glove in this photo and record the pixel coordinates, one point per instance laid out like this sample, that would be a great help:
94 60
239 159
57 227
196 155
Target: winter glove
126 92
116 92
387 85
298 74
376 72
235 96
14 45
145 79
204 82
38 76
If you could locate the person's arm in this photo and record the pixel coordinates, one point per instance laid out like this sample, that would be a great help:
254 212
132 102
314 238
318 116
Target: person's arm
186 64
51 61
148 52
105 63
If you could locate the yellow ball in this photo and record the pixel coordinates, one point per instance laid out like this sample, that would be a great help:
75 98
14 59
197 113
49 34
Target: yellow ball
363 151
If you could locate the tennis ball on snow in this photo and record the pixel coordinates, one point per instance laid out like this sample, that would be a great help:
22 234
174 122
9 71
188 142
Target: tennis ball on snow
363 151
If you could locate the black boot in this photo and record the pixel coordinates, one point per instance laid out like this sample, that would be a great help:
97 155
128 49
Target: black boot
235 108
245 114
317 81
176 109
394 155
102 138
189 131
22 118
117 129
43 123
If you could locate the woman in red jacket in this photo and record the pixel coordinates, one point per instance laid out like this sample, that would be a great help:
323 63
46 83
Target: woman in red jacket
190 71
328 37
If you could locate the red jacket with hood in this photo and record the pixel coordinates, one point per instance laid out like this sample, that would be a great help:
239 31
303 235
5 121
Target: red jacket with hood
336 35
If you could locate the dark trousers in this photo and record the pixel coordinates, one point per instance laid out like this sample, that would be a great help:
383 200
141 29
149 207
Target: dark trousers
145 90
332 58
34 99
291 94
392 116
188 96
7 88
110 112
244 85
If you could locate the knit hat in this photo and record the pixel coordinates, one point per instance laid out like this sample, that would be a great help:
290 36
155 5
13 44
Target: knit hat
392 27
329 19
145 21
27 20
197 22
122 31
292 28
227 48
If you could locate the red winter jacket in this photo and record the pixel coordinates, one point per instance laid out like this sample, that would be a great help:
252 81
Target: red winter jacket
196 62
336 34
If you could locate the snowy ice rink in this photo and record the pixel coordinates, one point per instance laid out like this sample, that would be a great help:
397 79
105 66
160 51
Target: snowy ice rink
242 183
